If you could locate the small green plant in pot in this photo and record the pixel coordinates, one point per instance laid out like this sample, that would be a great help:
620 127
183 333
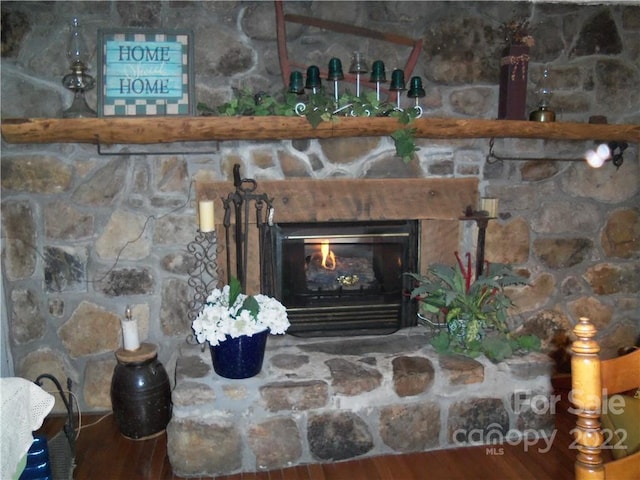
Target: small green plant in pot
474 310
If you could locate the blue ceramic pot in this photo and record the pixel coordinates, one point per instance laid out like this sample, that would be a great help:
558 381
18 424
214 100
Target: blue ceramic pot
458 328
239 357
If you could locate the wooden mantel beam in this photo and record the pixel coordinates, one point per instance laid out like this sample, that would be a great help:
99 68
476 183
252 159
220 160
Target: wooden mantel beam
153 130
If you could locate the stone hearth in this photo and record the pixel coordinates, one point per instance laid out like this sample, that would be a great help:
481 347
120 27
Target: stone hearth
326 400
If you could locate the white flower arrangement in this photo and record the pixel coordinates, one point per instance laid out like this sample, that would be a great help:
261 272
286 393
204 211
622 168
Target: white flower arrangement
231 312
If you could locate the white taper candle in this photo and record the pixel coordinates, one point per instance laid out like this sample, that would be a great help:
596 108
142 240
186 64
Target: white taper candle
130 337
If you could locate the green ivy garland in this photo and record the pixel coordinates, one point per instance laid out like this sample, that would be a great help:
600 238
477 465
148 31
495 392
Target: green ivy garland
321 107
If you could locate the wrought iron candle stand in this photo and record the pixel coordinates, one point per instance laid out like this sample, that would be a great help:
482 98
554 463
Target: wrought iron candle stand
481 218
203 275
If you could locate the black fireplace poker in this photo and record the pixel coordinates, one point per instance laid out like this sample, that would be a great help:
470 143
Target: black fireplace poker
238 203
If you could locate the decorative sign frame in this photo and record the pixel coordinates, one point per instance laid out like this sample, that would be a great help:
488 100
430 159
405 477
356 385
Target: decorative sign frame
145 72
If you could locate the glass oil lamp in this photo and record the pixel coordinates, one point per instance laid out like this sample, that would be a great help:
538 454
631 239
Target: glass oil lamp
78 81
543 113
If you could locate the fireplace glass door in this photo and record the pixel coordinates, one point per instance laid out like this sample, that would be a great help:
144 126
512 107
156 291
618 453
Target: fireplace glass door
346 278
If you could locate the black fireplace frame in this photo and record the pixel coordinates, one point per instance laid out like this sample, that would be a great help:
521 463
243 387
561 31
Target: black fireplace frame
370 316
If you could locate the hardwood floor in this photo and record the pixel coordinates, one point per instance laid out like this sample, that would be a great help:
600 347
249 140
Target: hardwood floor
103 454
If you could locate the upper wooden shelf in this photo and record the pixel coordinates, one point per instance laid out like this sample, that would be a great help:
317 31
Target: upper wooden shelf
150 130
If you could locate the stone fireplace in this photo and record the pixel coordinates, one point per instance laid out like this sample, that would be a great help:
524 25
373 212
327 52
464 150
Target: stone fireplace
86 234
339 397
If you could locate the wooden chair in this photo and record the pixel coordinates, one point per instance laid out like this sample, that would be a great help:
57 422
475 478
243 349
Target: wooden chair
590 377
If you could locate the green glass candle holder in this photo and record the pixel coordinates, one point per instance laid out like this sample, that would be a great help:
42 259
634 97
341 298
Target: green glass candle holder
415 88
296 83
335 70
313 78
378 73
397 80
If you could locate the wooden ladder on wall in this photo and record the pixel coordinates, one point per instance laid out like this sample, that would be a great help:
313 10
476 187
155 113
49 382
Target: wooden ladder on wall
286 65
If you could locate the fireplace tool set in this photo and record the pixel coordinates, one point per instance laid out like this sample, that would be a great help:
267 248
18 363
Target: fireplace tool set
203 276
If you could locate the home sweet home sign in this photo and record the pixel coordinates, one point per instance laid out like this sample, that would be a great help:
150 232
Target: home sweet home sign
145 72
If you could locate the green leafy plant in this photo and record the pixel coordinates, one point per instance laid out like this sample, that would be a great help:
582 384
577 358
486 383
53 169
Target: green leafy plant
247 103
474 310
404 141
320 107
495 346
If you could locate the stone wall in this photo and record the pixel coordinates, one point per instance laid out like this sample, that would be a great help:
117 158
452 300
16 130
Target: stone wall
83 235
328 400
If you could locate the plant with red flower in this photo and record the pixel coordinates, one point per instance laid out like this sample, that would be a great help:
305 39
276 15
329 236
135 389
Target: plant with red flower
471 307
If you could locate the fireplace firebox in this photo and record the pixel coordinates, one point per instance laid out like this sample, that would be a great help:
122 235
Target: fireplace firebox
346 278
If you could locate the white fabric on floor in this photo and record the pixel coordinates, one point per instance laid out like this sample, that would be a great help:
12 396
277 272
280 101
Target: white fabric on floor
23 408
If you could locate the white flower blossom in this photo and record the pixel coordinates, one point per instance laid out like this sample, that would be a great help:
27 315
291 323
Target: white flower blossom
218 319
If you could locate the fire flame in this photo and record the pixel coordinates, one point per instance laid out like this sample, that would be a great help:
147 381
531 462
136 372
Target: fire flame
328 258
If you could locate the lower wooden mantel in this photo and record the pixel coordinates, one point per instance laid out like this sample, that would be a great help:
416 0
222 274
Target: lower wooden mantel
153 130
437 203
